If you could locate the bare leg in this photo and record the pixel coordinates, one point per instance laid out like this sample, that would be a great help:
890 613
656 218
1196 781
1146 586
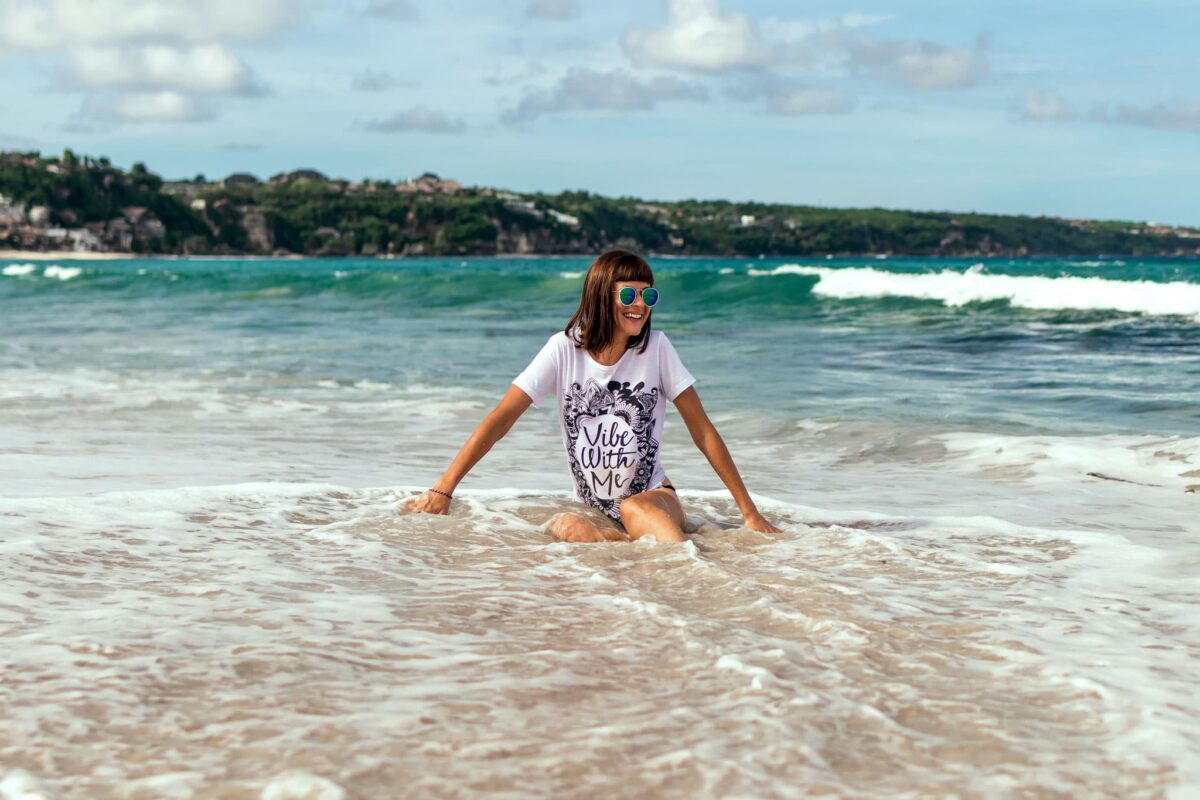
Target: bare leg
571 527
656 513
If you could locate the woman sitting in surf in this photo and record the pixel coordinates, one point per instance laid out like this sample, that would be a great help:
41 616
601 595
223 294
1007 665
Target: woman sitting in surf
612 377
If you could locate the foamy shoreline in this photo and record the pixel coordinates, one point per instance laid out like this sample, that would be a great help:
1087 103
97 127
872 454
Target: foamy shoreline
62 255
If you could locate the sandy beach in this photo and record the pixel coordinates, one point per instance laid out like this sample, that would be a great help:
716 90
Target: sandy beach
62 255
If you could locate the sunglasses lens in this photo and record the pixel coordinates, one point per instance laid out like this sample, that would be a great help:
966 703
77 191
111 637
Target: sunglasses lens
627 296
650 297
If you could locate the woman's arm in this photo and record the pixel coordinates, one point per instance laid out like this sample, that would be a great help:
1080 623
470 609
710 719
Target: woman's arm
491 430
705 435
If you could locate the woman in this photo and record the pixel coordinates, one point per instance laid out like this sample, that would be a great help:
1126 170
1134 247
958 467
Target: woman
611 376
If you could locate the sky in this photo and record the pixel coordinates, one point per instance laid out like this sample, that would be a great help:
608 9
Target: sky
1057 107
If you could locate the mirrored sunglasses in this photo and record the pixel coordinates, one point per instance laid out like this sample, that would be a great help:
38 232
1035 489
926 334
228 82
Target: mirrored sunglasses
628 296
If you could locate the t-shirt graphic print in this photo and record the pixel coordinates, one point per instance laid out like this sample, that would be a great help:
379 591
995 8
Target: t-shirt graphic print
610 441
611 416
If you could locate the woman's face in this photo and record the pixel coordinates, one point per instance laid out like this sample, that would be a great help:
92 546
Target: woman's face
630 319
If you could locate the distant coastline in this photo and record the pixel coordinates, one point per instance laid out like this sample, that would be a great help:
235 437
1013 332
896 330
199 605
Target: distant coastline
76 255
62 255
72 206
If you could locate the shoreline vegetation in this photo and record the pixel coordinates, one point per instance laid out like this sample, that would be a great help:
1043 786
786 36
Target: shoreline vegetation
72 206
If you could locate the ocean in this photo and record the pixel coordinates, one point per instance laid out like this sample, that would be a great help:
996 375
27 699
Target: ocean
988 584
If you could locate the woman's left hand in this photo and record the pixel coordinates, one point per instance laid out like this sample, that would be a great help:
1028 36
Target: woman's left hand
757 522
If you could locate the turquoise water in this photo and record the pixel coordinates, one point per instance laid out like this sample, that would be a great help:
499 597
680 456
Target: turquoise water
986 474
767 343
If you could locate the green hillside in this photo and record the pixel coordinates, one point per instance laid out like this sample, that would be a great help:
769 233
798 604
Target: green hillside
87 203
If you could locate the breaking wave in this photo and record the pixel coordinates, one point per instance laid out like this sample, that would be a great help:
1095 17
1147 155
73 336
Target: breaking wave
975 285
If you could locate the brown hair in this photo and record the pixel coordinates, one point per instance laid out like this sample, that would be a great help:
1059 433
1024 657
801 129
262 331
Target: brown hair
593 326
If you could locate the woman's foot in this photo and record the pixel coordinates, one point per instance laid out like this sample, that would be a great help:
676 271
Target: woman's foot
568 527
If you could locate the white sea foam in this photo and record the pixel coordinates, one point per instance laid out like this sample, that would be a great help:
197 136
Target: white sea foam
302 786
956 288
62 273
446 653
117 428
100 391
1171 462
157 274
17 270
571 275
21 785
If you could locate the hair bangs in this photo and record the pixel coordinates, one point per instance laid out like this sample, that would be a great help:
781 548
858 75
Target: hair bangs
632 268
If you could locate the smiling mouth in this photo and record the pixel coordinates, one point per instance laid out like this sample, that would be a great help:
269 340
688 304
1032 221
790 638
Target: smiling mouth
633 316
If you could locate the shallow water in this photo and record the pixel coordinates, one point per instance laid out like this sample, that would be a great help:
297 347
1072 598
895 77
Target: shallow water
987 584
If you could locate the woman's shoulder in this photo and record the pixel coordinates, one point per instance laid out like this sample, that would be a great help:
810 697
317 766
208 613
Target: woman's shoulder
661 346
658 339
560 342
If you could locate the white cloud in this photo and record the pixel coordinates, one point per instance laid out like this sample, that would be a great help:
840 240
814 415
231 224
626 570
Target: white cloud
555 10
585 89
807 100
816 34
917 64
1177 117
699 36
788 99
416 120
163 106
69 23
161 53
201 68
1043 105
525 73
370 80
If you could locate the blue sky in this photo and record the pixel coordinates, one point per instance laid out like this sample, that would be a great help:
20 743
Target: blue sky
1067 108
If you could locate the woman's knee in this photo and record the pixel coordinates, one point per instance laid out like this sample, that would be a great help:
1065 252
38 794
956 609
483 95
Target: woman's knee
570 527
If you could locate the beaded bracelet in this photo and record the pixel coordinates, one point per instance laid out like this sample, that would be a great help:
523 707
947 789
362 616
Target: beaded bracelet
443 494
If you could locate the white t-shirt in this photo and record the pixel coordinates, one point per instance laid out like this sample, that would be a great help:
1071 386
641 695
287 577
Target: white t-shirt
612 417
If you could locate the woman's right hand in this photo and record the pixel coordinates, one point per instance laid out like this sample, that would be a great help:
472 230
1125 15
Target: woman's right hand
426 503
